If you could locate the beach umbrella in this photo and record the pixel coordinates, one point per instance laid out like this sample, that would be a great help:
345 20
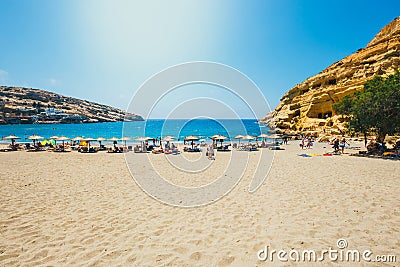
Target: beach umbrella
12 138
221 138
34 138
263 136
248 137
239 136
115 140
125 138
78 138
214 138
168 138
274 137
88 140
192 138
100 139
54 137
142 139
63 139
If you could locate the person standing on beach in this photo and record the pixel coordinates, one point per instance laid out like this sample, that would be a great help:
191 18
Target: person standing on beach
285 139
336 145
343 144
210 151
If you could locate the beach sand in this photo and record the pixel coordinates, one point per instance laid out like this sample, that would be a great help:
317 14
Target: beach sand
75 209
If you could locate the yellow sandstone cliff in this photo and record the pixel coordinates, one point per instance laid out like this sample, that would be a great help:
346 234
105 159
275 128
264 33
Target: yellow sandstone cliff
308 105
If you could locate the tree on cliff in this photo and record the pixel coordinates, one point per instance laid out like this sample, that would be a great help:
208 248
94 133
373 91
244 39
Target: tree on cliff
376 108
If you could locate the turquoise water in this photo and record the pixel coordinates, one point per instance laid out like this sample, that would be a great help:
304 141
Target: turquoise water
203 128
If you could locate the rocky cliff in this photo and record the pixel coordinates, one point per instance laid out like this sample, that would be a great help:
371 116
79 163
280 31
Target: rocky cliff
26 105
308 105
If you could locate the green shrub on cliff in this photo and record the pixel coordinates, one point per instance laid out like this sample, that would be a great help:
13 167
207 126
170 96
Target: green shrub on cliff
375 108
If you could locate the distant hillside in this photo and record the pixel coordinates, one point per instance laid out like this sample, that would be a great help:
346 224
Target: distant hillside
27 105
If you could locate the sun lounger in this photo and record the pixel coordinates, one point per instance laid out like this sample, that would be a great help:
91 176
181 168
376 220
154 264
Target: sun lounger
276 148
189 149
223 149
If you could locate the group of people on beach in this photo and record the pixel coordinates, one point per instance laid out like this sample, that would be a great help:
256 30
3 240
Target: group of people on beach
307 142
339 145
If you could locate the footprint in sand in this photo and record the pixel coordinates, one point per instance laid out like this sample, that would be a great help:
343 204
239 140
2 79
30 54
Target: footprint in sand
180 250
196 256
158 232
226 261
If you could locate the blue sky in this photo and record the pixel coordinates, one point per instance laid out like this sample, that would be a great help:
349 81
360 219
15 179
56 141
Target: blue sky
104 50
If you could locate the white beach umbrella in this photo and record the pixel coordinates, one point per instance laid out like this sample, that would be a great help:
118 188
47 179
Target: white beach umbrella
55 138
115 140
100 139
221 138
88 140
78 138
168 138
239 136
34 138
192 138
63 139
12 138
125 138
248 137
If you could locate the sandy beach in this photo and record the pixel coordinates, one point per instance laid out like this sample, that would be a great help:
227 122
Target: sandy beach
72 209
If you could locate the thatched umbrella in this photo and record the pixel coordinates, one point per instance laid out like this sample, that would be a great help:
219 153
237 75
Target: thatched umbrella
221 138
192 138
100 139
34 138
12 138
142 139
239 137
115 141
248 137
168 138
63 139
125 138
88 140
263 136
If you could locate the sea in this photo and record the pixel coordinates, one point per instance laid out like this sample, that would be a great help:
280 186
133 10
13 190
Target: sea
155 128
